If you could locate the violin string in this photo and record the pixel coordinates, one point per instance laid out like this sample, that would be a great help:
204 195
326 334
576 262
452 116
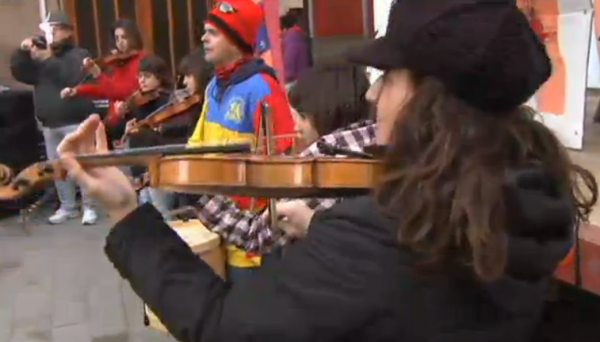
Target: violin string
260 148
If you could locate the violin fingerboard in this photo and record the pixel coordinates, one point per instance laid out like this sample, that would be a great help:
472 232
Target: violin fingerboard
166 150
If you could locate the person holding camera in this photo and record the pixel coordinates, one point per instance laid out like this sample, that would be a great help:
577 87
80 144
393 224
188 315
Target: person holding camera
51 63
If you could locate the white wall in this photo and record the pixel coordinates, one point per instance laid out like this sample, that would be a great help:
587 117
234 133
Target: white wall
574 36
284 5
594 62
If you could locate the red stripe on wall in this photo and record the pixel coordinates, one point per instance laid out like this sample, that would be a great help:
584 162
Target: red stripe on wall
337 17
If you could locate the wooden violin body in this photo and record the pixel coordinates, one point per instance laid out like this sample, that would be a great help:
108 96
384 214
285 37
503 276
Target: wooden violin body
140 98
265 176
169 111
226 169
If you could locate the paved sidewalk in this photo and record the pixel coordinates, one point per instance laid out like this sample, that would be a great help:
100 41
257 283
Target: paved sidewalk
57 286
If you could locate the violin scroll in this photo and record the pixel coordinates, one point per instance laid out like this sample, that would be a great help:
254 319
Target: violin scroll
6 174
15 186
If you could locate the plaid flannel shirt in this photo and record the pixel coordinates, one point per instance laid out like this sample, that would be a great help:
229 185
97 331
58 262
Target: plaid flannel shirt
251 231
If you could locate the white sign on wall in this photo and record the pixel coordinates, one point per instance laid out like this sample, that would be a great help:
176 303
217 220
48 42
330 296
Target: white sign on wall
574 33
381 11
594 61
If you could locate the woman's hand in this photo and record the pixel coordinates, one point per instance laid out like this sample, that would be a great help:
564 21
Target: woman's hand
91 67
294 217
68 92
40 54
106 184
130 127
27 44
121 108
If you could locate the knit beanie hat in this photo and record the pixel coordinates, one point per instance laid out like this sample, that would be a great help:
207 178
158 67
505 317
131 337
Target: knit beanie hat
58 18
484 51
239 20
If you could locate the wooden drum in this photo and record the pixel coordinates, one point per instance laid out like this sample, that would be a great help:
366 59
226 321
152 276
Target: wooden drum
206 244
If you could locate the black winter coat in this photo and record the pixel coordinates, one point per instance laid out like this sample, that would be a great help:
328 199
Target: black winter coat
348 280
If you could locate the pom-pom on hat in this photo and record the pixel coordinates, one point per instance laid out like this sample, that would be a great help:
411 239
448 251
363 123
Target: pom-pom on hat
239 20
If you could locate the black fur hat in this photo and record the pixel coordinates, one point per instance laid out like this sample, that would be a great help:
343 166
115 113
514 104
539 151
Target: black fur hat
484 51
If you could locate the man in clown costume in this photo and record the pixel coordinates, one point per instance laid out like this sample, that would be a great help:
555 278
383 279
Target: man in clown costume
234 97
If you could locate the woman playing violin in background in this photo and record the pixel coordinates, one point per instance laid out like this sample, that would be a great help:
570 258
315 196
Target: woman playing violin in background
329 105
154 78
174 123
116 75
186 102
475 208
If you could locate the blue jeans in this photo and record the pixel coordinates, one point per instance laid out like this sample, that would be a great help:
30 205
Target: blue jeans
235 274
67 191
163 201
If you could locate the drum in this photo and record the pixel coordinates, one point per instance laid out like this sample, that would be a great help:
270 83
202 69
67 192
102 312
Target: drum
206 244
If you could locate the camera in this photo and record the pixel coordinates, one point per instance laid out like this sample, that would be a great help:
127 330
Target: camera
39 42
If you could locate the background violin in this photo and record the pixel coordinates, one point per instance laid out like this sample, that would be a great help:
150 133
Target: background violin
41 173
140 98
110 59
168 111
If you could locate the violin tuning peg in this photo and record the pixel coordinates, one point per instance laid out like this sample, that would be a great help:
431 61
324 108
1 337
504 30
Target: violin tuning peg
47 168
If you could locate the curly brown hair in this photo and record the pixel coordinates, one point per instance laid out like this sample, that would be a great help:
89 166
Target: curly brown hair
446 169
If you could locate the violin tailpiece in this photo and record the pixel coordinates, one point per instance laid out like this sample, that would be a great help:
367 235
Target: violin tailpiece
185 213
332 150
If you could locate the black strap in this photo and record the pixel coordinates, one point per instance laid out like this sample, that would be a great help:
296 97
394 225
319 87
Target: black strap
146 319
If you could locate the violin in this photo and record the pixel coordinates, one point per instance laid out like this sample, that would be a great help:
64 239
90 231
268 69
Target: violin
140 98
168 111
221 169
111 59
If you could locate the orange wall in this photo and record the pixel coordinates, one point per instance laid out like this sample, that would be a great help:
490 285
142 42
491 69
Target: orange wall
337 17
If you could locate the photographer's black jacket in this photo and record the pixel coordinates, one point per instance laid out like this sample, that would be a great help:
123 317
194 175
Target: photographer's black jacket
63 69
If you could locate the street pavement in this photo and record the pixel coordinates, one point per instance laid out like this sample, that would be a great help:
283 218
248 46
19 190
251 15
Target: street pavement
56 285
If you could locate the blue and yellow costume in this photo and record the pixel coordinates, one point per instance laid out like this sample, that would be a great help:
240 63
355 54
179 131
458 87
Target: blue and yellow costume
231 112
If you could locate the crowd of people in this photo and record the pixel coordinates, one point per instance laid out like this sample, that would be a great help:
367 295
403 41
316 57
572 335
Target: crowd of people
459 240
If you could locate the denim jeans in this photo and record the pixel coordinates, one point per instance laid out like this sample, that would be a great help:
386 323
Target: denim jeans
163 201
67 191
235 274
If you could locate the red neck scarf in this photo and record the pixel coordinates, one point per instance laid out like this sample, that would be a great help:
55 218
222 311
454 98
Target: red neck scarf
223 73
